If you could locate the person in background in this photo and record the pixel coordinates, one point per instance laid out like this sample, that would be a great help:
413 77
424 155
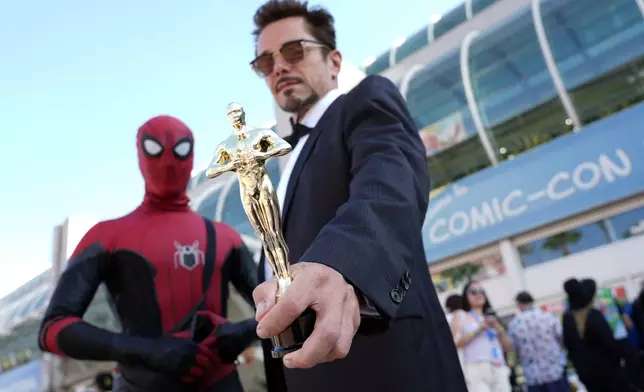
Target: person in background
636 313
483 341
537 338
587 336
167 271
633 333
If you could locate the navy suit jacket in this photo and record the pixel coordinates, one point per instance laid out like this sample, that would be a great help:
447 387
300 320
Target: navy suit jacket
356 202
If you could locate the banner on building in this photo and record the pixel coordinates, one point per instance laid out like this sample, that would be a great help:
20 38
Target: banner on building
569 175
443 134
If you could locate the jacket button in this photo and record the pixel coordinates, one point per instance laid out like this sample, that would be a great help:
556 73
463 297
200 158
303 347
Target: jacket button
396 296
407 279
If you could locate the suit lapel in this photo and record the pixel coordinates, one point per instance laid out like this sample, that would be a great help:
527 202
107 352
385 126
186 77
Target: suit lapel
304 156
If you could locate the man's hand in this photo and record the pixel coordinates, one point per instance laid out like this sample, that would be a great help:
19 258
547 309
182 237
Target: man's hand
325 291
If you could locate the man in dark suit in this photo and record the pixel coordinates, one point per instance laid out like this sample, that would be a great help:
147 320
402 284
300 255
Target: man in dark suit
354 195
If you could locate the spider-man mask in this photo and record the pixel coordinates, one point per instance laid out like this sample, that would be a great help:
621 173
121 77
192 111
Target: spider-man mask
165 149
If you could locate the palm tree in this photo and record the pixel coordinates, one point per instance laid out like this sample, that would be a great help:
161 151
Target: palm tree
462 272
562 241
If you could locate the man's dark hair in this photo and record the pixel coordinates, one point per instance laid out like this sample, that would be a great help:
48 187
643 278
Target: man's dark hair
524 298
318 20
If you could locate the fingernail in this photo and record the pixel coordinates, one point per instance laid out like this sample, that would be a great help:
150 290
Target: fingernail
288 362
261 332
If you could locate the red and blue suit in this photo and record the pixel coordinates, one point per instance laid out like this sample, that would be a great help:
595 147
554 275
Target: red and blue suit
166 270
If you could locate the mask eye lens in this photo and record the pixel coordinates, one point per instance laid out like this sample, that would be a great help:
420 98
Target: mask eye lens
152 148
183 149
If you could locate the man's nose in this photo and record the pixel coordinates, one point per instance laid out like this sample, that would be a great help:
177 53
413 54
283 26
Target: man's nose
281 66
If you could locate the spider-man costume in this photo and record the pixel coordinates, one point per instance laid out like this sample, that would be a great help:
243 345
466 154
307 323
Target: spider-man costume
167 271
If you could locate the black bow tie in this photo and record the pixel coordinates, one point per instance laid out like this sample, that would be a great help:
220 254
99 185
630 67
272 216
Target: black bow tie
299 131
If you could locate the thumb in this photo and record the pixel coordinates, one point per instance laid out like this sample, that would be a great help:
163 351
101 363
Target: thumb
264 297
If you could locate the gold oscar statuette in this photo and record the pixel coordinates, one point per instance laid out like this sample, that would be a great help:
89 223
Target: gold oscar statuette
245 152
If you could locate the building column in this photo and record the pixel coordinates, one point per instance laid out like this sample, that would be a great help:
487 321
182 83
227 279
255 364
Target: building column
549 57
513 266
484 137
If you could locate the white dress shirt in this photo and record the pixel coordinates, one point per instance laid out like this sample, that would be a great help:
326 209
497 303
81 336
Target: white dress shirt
310 120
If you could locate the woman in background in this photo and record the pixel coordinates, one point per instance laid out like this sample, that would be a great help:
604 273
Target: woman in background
483 341
592 349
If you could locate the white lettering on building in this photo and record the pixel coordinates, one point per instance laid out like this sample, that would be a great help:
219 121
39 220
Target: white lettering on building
582 178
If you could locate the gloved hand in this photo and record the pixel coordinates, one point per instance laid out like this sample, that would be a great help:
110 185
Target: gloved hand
231 339
180 357
234 338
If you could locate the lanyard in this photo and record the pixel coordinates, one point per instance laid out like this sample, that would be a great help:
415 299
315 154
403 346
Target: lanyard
491 335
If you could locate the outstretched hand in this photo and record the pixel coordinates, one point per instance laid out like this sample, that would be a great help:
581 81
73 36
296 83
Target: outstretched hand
325 291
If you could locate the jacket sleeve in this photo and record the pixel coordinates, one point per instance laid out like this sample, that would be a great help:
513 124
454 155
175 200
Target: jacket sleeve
241 266
372 238
63 331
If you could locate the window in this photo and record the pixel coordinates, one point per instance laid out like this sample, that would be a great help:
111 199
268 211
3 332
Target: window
480 5
598 49
380 64
566 243
450 20
628 224
208 208
515 94
412 44
437 102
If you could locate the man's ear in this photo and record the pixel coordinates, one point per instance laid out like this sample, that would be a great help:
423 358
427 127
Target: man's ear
334 60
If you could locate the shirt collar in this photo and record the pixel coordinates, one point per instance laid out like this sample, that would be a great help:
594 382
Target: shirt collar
313 116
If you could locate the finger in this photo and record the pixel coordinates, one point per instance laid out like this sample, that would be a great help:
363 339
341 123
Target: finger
289 307
208 344
264 297
348 331
318 346
196 372
203 360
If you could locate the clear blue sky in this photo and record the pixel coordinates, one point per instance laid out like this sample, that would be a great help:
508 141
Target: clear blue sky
78 77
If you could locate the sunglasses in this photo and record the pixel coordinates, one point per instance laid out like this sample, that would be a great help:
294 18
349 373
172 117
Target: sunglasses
292 52
476 292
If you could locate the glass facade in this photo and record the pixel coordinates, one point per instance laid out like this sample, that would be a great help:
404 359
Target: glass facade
420 38
380 64
597 46
417 41
480 5
436 99
208 209
233 212
597 50
450 20
592 235
516 97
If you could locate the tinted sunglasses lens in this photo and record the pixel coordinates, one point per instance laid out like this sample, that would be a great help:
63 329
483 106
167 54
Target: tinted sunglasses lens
292 52
264 64
476 292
